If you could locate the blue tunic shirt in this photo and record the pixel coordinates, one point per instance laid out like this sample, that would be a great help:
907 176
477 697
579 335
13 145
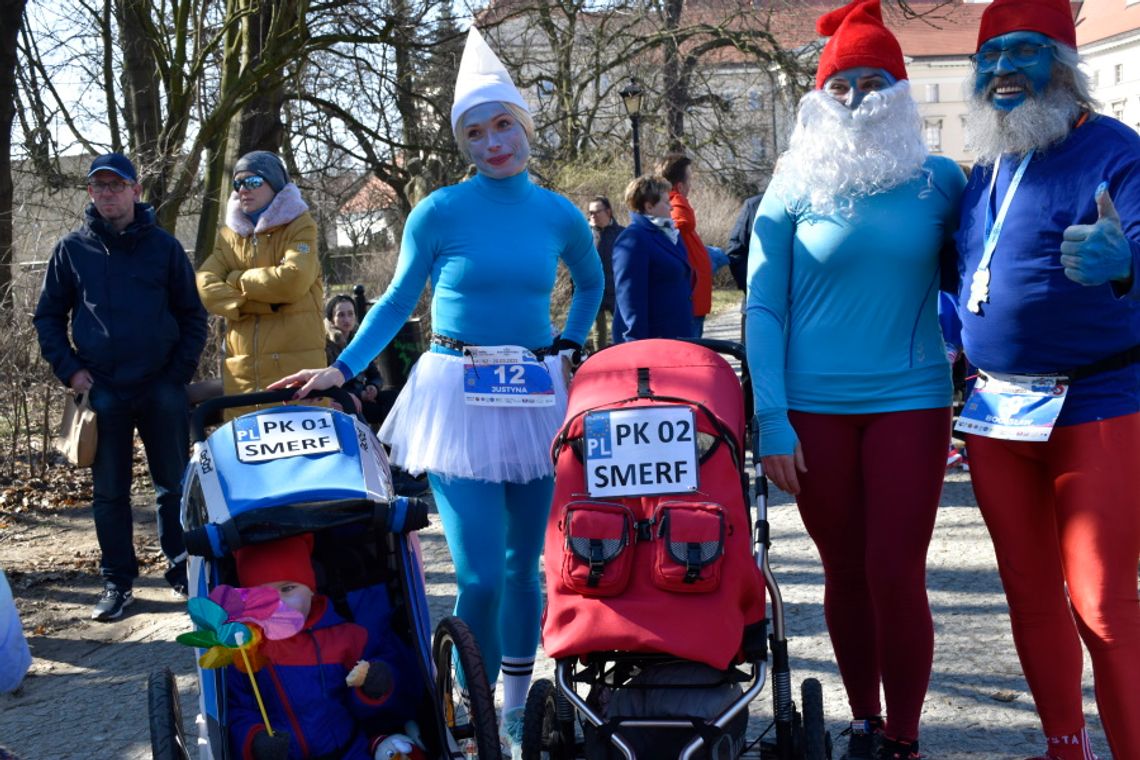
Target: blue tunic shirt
842 311
491 249
1038 320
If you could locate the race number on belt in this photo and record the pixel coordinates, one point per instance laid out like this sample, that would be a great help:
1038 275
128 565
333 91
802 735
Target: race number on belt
1013 407
284 434
640 452
505 376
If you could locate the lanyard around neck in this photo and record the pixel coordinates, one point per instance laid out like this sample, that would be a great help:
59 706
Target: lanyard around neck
995 224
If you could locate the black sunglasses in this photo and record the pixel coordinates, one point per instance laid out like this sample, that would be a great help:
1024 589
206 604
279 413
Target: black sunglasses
249 183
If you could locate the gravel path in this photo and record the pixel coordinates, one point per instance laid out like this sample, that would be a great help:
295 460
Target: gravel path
86 694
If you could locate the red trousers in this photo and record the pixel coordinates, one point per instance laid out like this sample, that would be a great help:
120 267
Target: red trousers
868 500
1066 514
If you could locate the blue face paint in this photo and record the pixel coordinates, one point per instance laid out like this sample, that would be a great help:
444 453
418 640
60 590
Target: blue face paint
497 141
850 86
1013 67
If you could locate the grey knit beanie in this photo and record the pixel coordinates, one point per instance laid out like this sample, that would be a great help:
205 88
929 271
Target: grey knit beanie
266 165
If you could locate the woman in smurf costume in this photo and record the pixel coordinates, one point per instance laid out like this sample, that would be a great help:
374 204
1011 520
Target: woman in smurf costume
490 247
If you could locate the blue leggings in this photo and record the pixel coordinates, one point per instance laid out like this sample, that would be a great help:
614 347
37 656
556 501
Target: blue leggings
495 534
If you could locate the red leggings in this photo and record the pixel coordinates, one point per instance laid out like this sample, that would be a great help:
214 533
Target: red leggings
1067 512
868 500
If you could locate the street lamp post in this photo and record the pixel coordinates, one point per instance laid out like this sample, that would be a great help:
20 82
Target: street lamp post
631 97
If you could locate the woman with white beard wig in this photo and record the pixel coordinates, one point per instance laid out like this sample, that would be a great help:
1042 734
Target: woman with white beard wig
851 381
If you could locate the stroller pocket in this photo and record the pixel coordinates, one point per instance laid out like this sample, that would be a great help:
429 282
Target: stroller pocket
689 551
597 560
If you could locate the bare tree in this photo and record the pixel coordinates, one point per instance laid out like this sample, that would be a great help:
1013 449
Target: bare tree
11 19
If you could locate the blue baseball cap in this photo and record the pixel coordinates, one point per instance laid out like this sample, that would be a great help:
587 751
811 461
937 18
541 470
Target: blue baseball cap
117 163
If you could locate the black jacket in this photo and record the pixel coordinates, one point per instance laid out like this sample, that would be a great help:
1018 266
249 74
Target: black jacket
738 241
604 242
131 303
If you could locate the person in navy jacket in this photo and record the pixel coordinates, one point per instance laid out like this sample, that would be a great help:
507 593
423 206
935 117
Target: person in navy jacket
119 319
652 277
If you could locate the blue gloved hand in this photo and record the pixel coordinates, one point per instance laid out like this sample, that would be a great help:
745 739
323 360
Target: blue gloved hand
717 257
1094 254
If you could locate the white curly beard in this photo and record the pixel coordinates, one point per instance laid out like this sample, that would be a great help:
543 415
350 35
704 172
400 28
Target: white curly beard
836 155
1041 121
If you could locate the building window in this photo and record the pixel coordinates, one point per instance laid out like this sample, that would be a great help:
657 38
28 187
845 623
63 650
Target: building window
1118 73
933 133
931 93
1118 110
1094 80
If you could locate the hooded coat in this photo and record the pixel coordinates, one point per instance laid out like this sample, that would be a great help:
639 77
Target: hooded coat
266 282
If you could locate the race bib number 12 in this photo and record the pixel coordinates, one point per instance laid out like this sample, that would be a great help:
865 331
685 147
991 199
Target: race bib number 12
505 376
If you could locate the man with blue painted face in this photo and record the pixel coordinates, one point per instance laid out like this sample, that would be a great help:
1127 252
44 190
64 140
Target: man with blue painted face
850 377
1048 248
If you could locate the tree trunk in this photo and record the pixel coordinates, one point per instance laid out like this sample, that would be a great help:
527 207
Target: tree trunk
11 18
675 92
261 124
140 85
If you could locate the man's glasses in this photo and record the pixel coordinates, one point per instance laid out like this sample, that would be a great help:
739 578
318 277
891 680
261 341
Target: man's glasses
108 187
249 183
1021 55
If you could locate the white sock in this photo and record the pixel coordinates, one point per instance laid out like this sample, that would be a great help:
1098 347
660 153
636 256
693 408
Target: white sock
516 680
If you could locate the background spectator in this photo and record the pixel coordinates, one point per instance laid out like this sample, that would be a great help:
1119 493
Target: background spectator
125 288
652 277
606 230
677 168
373 402
264 277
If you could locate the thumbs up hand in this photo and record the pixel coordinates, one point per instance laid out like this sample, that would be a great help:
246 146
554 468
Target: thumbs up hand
1093 254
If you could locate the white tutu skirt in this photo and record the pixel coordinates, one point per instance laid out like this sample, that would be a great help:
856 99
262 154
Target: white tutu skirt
431 428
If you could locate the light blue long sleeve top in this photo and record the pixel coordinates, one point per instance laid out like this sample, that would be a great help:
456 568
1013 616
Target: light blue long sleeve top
490 248
842 311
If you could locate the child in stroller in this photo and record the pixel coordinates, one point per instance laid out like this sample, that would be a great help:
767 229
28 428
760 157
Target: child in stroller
313 684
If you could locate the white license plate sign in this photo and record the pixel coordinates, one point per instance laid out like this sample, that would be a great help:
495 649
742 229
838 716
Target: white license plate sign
285 434
641 452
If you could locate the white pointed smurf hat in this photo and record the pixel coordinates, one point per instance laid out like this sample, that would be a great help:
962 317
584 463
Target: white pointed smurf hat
482 79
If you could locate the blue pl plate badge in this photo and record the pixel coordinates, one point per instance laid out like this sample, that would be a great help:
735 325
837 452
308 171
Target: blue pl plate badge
1013 407
505 376
264 437
641 452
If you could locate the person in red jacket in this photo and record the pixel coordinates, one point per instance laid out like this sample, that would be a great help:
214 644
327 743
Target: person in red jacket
678 169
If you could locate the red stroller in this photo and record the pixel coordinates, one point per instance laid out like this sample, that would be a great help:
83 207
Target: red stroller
656 574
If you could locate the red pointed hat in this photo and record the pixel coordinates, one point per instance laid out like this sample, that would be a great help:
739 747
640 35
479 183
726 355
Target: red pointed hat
858 38
1053 18
286 559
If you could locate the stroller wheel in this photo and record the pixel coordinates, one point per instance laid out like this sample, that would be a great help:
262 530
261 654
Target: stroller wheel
167 739
817 740
545 737
470 711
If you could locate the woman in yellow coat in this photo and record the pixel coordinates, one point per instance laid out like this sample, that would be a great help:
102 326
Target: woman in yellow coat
264 277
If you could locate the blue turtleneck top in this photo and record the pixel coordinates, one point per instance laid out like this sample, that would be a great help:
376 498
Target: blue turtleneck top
491 249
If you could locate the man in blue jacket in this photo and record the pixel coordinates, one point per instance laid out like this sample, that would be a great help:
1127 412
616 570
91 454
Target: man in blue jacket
126 290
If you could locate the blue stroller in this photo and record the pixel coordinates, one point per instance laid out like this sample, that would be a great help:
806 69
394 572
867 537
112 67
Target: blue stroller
285 470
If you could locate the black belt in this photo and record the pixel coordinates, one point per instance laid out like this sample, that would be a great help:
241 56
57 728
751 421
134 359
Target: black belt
461 346
1119 360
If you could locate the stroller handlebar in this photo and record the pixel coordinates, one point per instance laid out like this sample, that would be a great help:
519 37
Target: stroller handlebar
207 410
